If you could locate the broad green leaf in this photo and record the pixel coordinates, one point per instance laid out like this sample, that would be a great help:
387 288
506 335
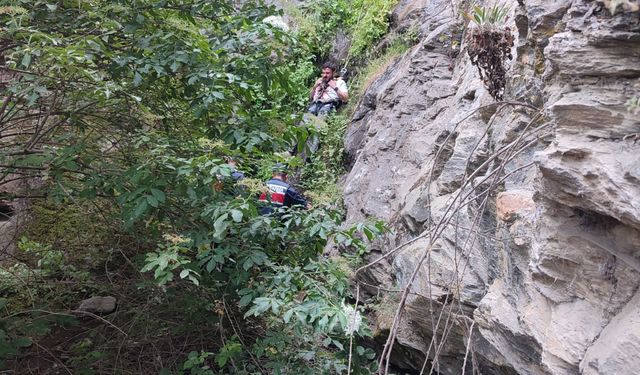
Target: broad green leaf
323 321
343 319
137 78
237 215
287 315
23 342
153 202
140 208
211 265
158 194
338 344
26 60
245 300
368 233
332 323
248 263
220 225
193 279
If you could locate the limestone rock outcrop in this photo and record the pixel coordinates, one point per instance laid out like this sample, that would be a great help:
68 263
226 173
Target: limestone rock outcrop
518 222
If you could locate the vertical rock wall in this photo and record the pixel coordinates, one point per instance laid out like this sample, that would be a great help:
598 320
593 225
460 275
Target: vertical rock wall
538 272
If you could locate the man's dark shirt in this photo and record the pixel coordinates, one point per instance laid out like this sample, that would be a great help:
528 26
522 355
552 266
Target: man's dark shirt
281 195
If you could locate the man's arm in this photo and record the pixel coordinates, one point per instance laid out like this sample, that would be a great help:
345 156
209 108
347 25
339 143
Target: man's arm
340 87
313 89
296 198
342 91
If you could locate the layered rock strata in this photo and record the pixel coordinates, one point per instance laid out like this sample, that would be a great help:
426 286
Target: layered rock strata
521 220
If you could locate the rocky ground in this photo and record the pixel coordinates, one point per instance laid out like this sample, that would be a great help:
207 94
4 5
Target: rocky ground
525 216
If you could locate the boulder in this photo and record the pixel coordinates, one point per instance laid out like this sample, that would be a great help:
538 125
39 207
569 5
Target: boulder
99 305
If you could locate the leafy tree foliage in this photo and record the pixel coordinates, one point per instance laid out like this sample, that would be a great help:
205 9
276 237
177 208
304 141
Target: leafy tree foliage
138 104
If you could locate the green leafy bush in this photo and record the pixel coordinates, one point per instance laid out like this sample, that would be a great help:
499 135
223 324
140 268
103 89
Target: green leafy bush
375 67
139 105
369 24
363 21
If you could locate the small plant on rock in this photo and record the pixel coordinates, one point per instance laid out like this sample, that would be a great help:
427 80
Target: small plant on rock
633 105
489 46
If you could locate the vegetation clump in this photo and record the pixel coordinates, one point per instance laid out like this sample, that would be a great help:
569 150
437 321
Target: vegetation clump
127 115
363 21
489 46
633 105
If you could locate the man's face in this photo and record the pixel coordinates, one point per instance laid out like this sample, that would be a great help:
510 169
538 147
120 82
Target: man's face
327 74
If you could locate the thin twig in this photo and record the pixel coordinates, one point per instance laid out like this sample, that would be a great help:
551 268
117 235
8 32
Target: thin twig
355 313
466 352
69 313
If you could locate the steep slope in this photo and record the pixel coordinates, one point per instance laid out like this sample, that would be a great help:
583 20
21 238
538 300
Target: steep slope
516 224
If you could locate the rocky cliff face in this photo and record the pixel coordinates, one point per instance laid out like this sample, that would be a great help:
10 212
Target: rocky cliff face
516 225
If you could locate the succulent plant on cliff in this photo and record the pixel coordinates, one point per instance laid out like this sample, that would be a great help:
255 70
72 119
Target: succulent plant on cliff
493 16
489 46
